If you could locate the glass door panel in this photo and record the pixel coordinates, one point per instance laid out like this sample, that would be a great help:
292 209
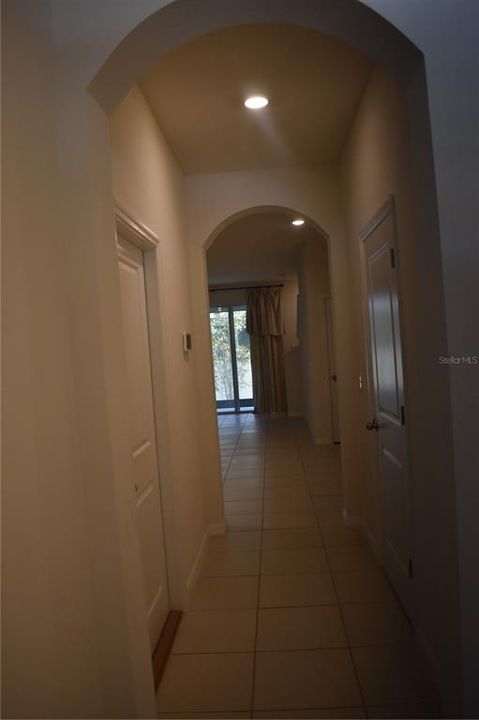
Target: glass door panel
222 359
231 359
243 358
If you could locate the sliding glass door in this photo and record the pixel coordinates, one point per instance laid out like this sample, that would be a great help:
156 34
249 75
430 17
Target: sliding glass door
231 358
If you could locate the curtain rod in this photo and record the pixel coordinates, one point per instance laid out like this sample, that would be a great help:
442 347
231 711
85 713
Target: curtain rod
245 287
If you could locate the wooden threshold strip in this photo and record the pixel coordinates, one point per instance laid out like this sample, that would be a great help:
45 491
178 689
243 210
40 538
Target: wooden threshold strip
162 650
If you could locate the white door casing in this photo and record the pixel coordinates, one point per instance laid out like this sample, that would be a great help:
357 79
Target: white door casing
387 404
333 379
143 435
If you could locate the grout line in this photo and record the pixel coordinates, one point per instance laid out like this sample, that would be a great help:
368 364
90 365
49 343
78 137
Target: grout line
253 683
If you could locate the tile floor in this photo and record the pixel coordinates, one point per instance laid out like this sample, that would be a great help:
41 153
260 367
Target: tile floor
291 616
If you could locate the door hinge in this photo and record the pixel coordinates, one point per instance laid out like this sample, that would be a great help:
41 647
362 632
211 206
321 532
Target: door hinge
393 257
403 415
410 567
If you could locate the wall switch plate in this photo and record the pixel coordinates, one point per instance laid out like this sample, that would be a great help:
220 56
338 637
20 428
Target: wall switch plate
187 344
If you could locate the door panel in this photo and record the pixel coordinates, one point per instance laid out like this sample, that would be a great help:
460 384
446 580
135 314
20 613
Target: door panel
143 436
385 364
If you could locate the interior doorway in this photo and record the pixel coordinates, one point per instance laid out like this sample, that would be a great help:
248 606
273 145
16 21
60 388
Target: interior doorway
231 359
387 419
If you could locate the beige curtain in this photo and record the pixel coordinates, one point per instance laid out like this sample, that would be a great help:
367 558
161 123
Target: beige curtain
264 324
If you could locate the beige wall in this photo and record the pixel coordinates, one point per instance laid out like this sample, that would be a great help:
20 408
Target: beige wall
376 164
314 286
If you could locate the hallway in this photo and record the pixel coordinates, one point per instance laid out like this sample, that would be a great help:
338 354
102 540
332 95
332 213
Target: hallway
291 616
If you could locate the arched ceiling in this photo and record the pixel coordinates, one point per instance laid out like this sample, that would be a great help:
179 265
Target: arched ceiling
314 83
260 247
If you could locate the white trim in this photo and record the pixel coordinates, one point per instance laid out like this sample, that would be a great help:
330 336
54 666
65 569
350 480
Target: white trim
356 521
197 563
429 657
134 231
213 529
387 209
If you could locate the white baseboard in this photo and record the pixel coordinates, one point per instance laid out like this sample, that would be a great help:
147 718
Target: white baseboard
356 521
196 567
213 529
429 657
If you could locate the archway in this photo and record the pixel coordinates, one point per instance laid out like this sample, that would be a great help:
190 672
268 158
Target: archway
260 246
416 57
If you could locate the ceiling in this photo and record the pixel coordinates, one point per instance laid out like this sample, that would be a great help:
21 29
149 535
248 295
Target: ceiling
314 84
257 248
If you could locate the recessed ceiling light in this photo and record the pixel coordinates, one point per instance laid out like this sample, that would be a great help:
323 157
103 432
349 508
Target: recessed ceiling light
256 102
298 221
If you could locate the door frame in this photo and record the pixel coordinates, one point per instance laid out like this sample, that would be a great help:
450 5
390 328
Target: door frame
149 243
387 209
332 377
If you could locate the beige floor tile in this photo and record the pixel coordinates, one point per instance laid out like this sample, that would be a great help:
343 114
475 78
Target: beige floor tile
224 593
409 710
337 534
297 590
206 683
246 540
328 507
377 624
300 628
324 485
283 471
245 474
230 562
236 523
205 715
290 538
249 482
305 679
248 493
287 493
293 561
357 587
392 674
288 505
289 520
271 480
247 462
243 507
319 713
346 559
213 631
250 450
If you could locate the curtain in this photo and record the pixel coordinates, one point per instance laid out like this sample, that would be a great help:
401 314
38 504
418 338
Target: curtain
264 324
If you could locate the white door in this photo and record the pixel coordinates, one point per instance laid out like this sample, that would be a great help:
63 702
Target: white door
143 436
333 378
387 399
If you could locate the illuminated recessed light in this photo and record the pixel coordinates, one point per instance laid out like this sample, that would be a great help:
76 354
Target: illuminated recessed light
298 221
256 102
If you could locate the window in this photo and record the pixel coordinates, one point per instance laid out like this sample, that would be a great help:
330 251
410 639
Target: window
231 359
